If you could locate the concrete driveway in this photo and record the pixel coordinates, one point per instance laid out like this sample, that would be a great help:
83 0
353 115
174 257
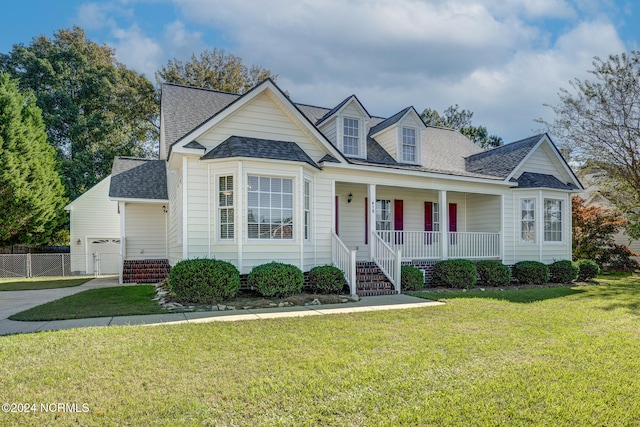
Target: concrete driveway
12 302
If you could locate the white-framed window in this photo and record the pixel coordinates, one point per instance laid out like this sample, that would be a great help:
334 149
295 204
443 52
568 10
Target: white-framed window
226 213
435 215
383 214
350 136
269 208
552 220
307 210
528 220
408 145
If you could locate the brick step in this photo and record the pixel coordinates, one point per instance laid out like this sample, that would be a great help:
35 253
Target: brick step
371 281
145 271
373 293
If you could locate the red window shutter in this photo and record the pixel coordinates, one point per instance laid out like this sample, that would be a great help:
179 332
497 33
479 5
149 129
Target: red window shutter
453 217
336 204
366 220
428 216
398 214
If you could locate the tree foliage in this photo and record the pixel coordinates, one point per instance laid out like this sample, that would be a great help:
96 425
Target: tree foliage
593 230
94 108
31 191
460 120
214 69
598 123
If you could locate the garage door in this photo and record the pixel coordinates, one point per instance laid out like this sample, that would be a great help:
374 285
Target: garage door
104 256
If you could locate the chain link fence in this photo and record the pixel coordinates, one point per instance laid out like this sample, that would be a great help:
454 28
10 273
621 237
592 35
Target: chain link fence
34 265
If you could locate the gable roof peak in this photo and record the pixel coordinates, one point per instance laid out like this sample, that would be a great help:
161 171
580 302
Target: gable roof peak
339 107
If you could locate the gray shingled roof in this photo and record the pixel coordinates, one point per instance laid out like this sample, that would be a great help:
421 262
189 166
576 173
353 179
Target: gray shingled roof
196 145
338 107
539 180
240 146
185 108
328 158
501 161
389 122
138 179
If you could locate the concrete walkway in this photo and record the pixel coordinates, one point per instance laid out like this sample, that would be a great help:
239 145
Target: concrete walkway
12 302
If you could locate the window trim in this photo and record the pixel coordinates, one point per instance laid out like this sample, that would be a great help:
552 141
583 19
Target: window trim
358 137
306 210
416 144
544 221
533 221
220 208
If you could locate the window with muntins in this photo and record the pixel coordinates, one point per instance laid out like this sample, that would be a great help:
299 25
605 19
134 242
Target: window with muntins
269 208
225 207
436 217
552 220
408 145
528 220
383 214
350 138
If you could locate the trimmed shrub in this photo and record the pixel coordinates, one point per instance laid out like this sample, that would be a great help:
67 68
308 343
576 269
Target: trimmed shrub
493 273
455 273
276 279
587 269
412 278
326 279
531 272
204 281
563 272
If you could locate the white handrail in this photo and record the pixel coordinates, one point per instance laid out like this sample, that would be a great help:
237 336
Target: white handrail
345 260
427 244
388 260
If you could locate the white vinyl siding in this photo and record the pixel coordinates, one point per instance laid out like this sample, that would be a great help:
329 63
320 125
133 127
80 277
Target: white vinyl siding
91 215
265 118
145 225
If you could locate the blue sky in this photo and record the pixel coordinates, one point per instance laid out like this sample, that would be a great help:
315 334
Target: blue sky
501 59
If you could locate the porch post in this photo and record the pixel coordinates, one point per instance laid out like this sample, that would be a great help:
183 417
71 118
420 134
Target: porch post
444 224
123 241
372 220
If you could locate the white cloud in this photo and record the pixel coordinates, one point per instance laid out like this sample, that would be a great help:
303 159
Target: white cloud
137 50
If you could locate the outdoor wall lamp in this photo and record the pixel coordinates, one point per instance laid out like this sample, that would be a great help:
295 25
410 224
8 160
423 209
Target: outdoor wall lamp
79 242
349 198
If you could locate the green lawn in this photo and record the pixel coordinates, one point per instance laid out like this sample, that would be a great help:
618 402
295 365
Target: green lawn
41 283
115 301
567 357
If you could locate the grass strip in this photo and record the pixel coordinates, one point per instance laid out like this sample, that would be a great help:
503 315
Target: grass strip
114 301
42 283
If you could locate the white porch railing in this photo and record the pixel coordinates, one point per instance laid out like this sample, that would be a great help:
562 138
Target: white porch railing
474 245
427 244
388 259
345 260
414 244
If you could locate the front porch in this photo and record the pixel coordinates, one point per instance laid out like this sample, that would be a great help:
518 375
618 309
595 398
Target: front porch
454 225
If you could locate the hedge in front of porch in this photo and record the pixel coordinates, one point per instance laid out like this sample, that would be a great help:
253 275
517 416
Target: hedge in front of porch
455 273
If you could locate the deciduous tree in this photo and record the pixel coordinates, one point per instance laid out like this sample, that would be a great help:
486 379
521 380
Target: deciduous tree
214 69
598 122
31 191
454 118
94 108
593 230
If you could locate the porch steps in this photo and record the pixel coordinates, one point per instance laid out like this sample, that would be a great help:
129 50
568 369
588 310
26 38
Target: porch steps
145 271
370 280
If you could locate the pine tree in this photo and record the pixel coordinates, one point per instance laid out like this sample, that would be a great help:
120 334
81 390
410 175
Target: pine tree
31 191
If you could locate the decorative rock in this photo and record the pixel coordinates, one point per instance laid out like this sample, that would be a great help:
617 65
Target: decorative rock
230 307
343 300
273 304
283 304
222 307
481 289
162 293
314 302
355 297
246 307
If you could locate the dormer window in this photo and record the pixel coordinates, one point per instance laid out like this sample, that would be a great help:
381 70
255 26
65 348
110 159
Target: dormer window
350 137
409 145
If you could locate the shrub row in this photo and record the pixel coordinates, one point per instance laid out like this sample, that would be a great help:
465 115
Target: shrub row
207 281
462 273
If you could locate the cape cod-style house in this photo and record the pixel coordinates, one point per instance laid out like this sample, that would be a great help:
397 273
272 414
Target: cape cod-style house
256 178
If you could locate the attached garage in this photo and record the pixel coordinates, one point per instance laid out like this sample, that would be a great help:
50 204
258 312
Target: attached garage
95 229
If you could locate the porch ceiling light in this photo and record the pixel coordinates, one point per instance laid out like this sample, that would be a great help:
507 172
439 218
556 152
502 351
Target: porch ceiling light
349 198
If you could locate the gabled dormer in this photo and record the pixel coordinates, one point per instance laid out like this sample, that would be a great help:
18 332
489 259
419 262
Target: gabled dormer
401 136
345 126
